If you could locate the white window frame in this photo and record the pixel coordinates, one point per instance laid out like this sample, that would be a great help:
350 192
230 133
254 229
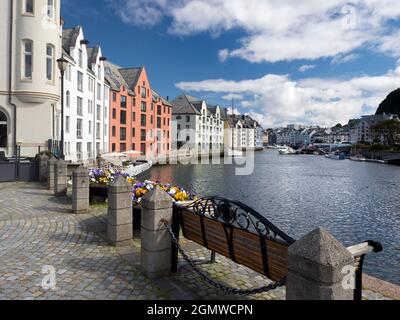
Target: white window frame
25 6
24 55
51 59
50 9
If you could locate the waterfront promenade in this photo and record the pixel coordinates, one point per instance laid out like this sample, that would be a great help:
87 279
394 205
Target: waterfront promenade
38 229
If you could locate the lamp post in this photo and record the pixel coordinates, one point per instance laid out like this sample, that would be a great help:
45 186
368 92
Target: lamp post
62 66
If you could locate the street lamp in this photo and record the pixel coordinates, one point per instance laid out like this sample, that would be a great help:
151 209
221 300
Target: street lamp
62 66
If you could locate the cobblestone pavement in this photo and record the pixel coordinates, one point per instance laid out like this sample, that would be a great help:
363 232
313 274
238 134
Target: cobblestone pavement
38 230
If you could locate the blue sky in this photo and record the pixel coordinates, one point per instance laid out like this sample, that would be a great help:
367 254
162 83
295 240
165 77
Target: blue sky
311 62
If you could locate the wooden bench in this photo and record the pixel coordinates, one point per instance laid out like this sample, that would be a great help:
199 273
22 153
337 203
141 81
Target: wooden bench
238 232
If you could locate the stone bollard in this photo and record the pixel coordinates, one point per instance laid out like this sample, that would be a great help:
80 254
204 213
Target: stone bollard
61 179
119 228
156 251
43 167
80 190
315 266
51 173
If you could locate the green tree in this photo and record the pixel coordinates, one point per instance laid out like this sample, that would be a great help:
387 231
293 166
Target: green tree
389 130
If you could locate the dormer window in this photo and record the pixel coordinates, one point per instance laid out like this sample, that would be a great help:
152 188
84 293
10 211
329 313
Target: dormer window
29 7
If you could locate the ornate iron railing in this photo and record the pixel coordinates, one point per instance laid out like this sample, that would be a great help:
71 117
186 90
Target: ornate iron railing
237 214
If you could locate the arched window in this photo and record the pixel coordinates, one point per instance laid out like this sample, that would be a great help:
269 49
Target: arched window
49 62
68 99
27 59
3 130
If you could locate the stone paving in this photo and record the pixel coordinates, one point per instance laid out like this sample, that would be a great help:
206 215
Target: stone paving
39 230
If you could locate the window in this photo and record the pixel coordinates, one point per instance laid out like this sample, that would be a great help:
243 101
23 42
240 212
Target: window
151 119
79 150
99 91
122 134
98 112
114 113
143 92
99 71
143 107
67 124
27 59
90 106
133 132
133 116
133 102
91 84
123 117
159 123
113 147
113 131
159 110
123 102
68 99
105 130
143 135
50 9
114 97
98 130
68 73
133 146
89 150
80 58
80 81
122 147
79 128
143 148
79 108
143 120
187 118
49 62
29 6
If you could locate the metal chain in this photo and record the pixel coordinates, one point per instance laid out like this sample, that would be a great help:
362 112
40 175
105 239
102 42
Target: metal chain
204 276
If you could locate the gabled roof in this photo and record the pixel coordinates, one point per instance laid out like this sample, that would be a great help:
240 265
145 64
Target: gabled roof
163 100
131 75
184 104
92 54
114 77
69 37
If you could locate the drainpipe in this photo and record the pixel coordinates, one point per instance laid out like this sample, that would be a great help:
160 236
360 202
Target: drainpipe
10 75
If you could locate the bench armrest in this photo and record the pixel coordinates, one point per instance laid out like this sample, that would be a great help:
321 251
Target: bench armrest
365 248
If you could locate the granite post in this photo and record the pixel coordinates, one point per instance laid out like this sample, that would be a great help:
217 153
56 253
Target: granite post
51 173
119 228
156 248
80 190
61 179
43 167
316 265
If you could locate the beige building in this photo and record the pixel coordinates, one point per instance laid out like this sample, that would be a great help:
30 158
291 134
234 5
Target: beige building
30 43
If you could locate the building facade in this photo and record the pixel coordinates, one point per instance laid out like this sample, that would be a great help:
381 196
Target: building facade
242 132
30 37
197 127
360 130
140 119
86 99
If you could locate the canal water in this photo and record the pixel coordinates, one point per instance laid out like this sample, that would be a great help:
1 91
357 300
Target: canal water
353 201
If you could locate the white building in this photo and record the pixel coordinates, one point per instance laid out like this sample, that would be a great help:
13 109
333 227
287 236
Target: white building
86 99
361 129
196 126
247 133
30 43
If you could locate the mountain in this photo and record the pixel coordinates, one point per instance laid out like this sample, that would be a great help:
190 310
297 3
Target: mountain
391 104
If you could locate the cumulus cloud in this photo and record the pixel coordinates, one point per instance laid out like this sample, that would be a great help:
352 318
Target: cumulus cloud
274 31
279 100
307 67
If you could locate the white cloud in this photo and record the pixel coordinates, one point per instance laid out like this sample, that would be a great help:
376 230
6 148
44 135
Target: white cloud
340 59
233 96
274 30
307 67
223 55
281 100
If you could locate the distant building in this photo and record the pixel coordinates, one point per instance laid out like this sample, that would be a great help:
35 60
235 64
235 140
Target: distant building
360 130
197 126
295 137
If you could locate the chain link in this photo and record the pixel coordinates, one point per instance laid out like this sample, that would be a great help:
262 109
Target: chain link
204 276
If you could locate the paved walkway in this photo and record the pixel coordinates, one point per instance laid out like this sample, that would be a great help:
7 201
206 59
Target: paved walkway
38 230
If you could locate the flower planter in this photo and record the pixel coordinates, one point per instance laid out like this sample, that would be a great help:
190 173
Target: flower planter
98 192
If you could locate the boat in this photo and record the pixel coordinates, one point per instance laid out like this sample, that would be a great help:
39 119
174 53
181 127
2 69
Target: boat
287 151
336 155
358 158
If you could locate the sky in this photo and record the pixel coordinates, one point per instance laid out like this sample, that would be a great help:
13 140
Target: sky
283 62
